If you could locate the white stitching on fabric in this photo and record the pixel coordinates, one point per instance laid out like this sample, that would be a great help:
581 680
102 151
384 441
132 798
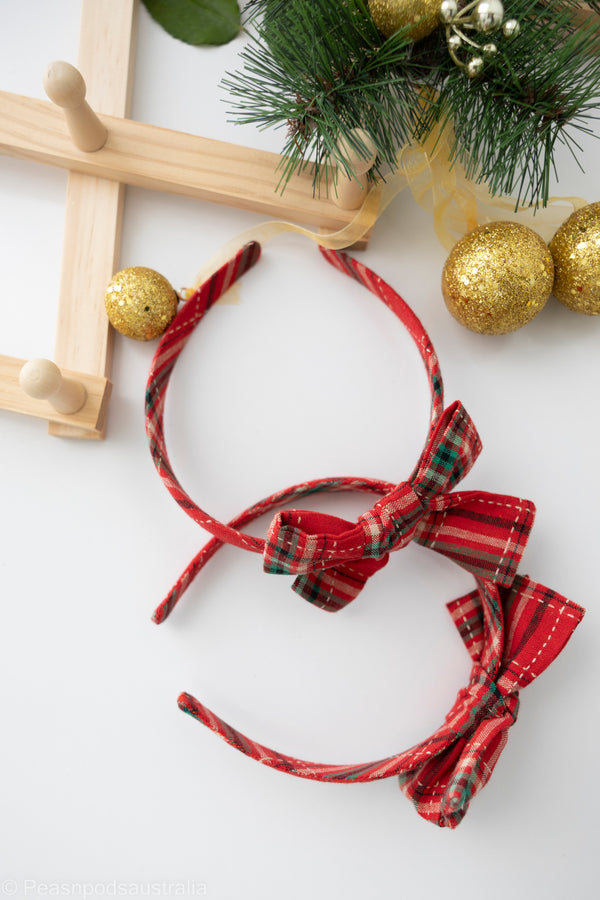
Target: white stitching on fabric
551 606
464 621
353 570
544 645
508 540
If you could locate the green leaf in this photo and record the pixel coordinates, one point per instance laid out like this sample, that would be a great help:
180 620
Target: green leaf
197 21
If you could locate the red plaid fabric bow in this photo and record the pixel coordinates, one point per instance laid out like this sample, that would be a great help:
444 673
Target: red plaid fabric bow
512 627
485 533
512 635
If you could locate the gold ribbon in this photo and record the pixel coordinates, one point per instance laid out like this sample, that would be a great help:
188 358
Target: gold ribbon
458 205
438 184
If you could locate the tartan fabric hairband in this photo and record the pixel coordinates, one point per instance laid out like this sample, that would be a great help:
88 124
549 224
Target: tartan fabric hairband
512 627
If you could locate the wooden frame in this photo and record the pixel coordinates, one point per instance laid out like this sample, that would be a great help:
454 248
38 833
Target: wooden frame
135 154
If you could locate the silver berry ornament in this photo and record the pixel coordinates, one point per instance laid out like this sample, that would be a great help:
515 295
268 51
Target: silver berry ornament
488 15
474 66
448 10
464 24
511 28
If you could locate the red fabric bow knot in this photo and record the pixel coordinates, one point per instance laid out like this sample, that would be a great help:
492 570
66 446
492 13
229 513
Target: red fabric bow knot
513 628
512 635
480 719
333 558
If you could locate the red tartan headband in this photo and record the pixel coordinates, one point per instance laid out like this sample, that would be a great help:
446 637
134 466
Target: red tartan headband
512 627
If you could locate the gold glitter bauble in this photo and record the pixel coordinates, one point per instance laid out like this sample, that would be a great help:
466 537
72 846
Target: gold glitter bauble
497 278
390 15
575 249
140 303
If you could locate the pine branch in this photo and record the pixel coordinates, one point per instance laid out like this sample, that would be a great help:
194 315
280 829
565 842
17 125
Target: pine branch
321 67
508 123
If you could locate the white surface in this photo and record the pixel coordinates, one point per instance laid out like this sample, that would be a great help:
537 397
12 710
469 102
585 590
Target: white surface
106 786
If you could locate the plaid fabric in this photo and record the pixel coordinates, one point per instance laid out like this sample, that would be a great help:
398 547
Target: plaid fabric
169 349
485 533
512 634
172 344
512 627
268 504
377 286
333 558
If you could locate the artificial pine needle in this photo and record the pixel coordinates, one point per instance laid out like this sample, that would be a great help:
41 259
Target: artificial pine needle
320 68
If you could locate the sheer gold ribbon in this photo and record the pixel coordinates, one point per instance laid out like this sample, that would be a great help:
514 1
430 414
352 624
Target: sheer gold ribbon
458 205
439 185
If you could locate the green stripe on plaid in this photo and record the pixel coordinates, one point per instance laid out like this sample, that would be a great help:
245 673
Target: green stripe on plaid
442 773
513 633
484 533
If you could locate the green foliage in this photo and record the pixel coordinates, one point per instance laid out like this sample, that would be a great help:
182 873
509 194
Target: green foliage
321 67
197 21
321 80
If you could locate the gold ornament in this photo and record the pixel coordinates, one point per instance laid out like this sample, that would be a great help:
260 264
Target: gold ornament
575 249
497 278
422 15
464 24
140 303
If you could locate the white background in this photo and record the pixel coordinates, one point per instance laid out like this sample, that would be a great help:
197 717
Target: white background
104 782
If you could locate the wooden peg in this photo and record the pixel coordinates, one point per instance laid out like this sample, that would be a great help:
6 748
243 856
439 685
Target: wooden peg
43 380
351 191
65 86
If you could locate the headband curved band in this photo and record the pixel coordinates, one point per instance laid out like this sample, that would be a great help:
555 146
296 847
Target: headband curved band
512 626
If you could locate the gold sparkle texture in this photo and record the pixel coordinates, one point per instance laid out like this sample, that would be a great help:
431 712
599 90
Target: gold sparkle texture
140 303
575 249
422 15
497 278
